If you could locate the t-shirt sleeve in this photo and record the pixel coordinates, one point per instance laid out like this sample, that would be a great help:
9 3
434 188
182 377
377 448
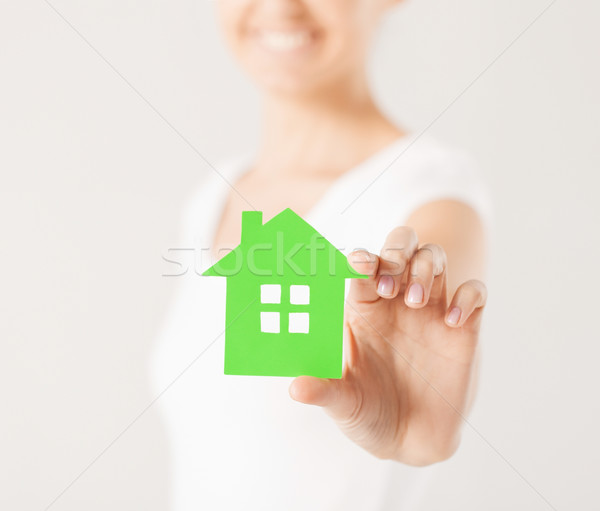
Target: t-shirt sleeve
454 177
427 172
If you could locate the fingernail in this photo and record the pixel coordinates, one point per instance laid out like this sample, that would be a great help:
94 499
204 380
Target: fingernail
415 293
385 286
454 316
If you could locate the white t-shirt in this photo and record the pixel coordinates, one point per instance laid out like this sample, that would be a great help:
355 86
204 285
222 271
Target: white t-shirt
240 442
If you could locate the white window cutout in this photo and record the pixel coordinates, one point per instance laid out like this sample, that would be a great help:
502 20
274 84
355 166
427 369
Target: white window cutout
300 295
270 293
269 322
298 322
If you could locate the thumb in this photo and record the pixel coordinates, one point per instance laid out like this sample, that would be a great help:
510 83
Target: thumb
335 395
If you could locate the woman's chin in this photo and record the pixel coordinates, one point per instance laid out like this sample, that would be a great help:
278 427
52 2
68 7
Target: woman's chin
280 84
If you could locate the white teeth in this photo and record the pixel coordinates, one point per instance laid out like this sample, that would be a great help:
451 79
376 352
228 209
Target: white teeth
284 41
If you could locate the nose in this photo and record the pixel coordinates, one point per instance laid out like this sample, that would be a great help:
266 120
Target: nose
281 8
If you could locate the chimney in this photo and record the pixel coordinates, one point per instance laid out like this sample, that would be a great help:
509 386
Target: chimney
251 222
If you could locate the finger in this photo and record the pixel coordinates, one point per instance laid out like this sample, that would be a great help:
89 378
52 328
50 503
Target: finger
428 264
467 304
395 256
335 395
364 290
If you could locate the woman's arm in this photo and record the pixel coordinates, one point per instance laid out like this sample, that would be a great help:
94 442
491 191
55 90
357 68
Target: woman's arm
410 371
458 229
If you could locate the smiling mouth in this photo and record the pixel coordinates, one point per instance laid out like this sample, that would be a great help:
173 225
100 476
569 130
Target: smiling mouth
285 41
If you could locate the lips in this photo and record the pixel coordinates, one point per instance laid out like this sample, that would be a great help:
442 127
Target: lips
284 40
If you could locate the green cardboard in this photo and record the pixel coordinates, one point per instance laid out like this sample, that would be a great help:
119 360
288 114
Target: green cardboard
285 299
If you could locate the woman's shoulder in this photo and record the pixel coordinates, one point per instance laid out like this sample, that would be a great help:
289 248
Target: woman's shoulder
420 169
423 157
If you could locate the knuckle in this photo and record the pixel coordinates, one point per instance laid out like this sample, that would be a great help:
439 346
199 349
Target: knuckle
406 231
438 255
364 261
475 290
396 255
398 250
404 235
422 263
433 247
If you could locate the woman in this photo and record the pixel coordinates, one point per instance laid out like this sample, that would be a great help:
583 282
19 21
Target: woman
332 156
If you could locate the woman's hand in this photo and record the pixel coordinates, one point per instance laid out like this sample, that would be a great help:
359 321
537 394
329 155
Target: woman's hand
410 356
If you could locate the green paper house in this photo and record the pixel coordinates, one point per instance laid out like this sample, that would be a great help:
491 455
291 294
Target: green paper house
285 299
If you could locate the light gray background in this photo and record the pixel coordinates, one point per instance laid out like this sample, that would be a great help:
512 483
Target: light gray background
92 181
